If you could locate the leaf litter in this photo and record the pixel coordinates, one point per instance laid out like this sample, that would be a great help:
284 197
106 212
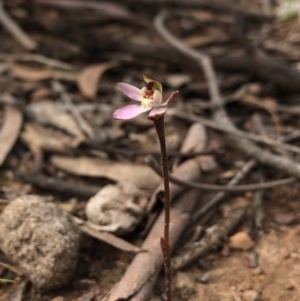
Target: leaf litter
65 141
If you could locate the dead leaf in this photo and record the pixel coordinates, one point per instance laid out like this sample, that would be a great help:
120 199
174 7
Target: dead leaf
34 74
140 175
9 132
269 104
212 35
39 138
89 77
55 114
110 239
195 139
177 80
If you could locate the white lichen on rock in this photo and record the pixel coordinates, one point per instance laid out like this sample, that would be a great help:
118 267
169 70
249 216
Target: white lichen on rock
42 239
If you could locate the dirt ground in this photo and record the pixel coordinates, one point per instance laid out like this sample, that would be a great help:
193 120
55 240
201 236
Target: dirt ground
58 141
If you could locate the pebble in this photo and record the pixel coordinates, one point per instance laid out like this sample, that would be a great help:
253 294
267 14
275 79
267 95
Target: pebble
285 254
289 286
251 295
253 259
257 271
202 264
203 278
241 241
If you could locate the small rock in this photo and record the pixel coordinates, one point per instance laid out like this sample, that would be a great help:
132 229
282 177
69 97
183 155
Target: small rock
251 295
284 218
87 297
241 241
253 259
202 265
225 250
117 208
257 271
203 278
184 285
289 286
285 254
42 239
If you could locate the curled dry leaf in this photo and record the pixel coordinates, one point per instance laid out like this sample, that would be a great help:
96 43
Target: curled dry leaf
110 239
89 77
195 140
9 132
140 175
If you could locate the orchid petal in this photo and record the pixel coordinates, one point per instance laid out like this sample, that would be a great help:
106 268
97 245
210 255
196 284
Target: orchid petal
129 112
157 99
157 111
131 91
170 99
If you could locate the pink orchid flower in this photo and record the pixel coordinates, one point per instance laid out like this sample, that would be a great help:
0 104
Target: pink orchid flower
150 98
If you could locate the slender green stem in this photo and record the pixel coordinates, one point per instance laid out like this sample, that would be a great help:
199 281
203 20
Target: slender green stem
165 245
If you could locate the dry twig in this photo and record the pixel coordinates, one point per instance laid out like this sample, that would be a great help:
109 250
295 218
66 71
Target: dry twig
220 195
84 126
277 144
225 188
15 30
213 238
29 57
56 185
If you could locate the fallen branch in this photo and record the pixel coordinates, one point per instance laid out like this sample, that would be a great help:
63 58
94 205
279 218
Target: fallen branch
146 265
238 133
263 156
281 76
